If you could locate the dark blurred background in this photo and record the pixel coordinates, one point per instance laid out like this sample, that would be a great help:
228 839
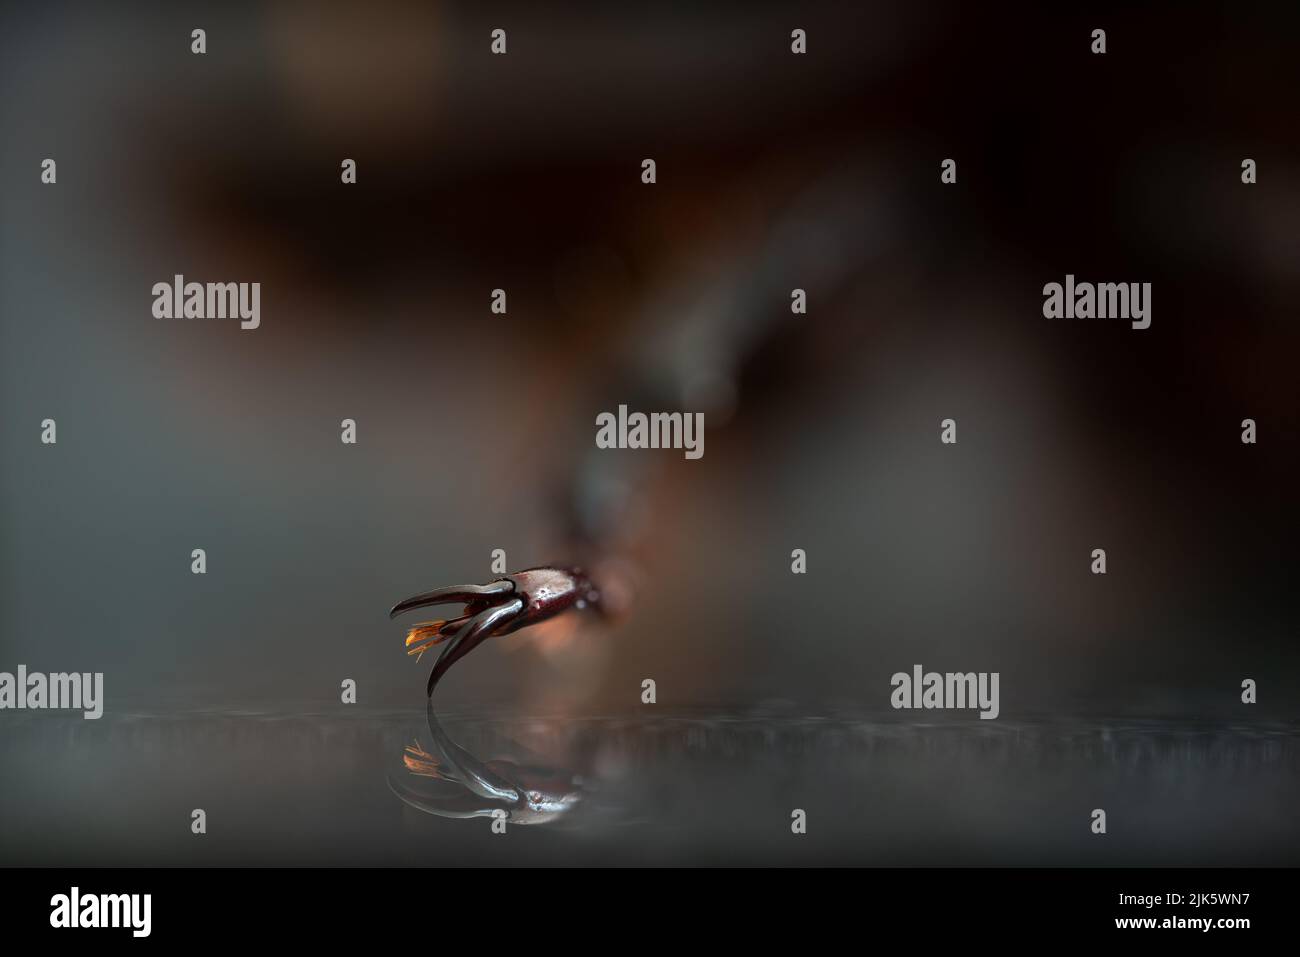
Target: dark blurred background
476 431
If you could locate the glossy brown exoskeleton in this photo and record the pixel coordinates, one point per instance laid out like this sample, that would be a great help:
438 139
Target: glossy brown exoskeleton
497 608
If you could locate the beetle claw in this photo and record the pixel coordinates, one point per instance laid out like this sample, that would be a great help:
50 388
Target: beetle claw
497 608
454 594
470 635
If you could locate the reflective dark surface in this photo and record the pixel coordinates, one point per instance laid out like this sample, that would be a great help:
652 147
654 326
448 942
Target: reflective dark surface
776 172
662 789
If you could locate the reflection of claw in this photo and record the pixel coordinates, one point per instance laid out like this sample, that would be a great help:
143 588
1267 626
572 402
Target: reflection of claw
526 794
497 608
423 764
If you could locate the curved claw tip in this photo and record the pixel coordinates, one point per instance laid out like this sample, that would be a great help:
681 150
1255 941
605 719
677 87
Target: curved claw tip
454 594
